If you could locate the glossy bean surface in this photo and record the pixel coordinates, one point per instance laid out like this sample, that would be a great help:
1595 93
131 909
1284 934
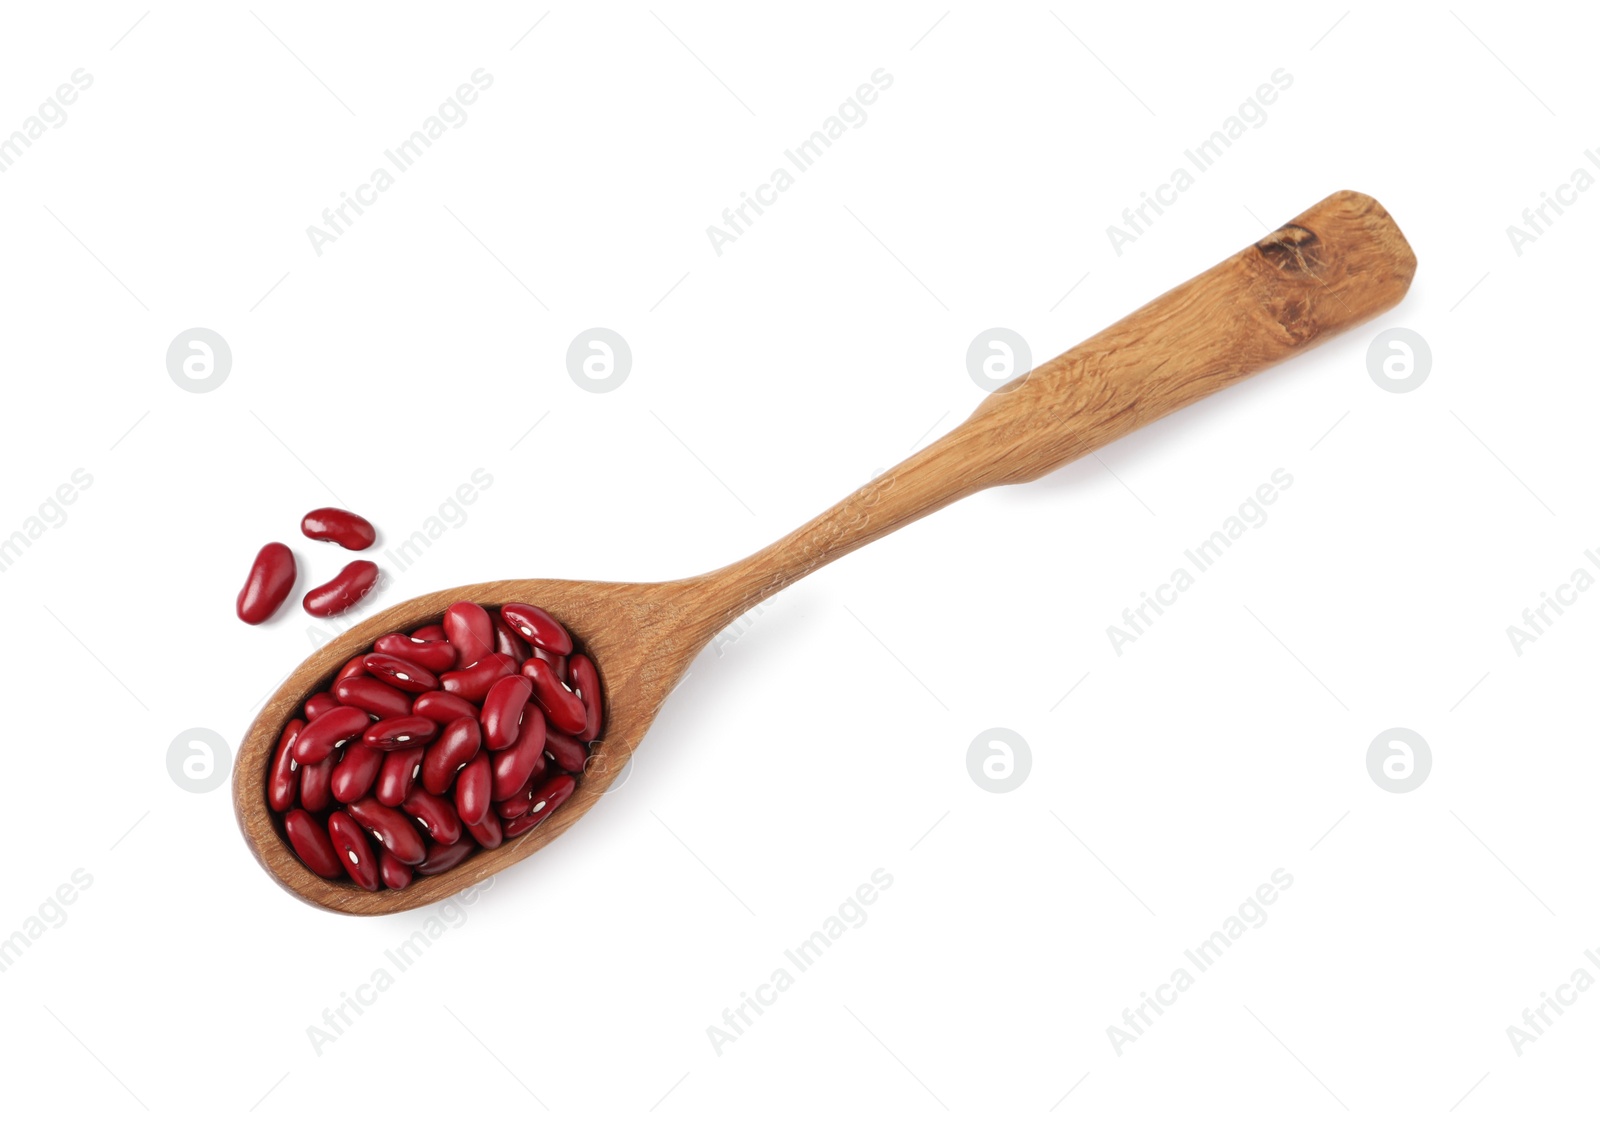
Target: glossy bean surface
327 732
354 851
585 681
268 584
474 785
311 844
468 628
455 746
561 705
473 682
442 708
392 827
356 771
400 673
283 779
375 697
538 627
330 524
437 815
400 732
343 592
437 655
503 711
397 778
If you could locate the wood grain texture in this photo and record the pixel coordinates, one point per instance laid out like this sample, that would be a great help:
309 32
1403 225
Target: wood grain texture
1338 264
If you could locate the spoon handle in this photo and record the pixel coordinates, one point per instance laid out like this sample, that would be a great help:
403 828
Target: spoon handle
1341 262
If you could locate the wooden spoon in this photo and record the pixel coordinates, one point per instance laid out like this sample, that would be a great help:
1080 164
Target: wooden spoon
1339 263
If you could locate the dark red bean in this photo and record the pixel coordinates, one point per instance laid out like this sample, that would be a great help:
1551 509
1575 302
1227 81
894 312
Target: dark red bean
469 630
392 828
513 766
437 655
486 833
397 778
395 872
554 792
327 732
401 673
567 751
502 711
270 581
318 704
443 858
353 850
400 732
437 816
509 643
377 698
354 774
430 634
316 784
442 708
352 669
561 705
558 662
343 592
522 801
473 682
310 843
283 781
474 786
538 627
456 745
330 524
585 681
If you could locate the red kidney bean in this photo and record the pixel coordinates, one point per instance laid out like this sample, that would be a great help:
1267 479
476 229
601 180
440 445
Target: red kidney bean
567 751
486 833
400 732
442 708
585 681
564 708
435 753
509 643
537 626
554 792
522 801
437 655
270 581
310 843
395 872
393 829
401 673
318 704
443 858
557 662
474 786
282 779
437 816
380 700
503 711
513 766
330 524
343 592
398 776
467 627
327 731
456 745
350 845
316 784
354 774
473 682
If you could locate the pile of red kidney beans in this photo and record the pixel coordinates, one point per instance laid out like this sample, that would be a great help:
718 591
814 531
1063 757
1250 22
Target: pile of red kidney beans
456 737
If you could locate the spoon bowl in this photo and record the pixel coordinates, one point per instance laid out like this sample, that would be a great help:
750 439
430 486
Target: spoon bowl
641 637
1337 265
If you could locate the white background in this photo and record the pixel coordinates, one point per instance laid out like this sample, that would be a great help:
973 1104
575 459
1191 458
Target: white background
830 739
